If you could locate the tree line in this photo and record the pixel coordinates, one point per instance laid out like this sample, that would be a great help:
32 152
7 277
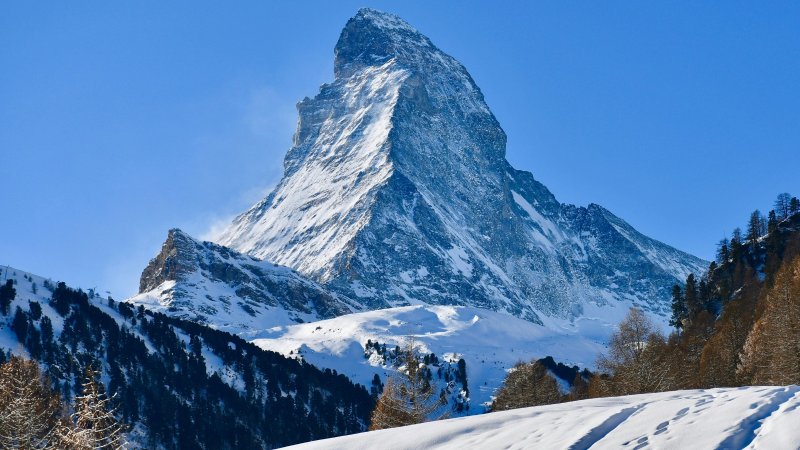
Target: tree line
738 324
182 384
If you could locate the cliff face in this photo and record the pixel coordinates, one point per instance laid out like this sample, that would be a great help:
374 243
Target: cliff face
397 191
208 283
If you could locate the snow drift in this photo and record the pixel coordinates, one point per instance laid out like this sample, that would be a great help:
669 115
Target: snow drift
489 342
763 417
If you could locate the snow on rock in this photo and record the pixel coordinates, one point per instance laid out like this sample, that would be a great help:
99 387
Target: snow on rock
398 169
214 285
761 417
489 342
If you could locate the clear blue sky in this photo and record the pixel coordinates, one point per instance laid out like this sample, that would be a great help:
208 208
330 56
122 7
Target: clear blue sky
121 120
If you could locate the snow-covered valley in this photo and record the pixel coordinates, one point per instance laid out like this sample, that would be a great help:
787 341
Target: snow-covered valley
761 417
489 342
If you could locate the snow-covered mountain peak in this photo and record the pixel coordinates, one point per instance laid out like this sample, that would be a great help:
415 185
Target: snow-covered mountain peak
397 191
215 285
373 37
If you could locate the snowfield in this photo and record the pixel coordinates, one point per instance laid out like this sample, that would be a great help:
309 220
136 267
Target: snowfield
761 417
489 342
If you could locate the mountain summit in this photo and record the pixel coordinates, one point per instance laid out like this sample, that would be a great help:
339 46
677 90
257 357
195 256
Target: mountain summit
397 191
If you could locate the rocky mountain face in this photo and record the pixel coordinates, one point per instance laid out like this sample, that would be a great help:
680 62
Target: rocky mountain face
397 191
211 284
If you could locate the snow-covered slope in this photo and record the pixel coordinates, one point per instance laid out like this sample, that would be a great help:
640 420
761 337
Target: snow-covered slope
489 342
397 191
161 369
214 285
29 288
735 418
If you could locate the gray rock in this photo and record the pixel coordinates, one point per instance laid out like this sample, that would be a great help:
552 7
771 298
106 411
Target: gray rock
206 282
397 190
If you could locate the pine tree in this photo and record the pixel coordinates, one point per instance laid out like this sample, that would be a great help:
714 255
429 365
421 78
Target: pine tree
377 387
691 297
704 296
408 397
7 294
95 424
20 325
756 227
736 236
794 206
679 311
782 206
29 410
527 384
772 221
723 251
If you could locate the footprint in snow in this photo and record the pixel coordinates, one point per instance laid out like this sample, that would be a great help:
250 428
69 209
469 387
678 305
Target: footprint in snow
643 442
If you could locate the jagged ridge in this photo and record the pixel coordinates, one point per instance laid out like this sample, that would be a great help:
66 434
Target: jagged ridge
397 190
211 284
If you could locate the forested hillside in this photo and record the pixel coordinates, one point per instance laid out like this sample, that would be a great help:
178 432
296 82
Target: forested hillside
177 383
737 324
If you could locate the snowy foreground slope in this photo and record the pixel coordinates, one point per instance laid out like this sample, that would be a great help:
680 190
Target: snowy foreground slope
489 342
763 417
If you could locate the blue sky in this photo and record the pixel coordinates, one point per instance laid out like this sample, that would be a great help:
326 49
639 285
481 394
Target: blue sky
120 120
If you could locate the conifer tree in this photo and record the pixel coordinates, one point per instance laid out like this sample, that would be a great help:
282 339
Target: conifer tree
20 324
679 311
408 397
527 384
391 410
704 296
782 206
756 227
7 294
723 251
794 206
29 410
95 424
772 221
736 236
721 354
691 297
